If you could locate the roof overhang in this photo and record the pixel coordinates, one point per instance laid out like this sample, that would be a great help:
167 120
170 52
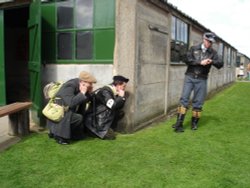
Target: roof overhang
13 3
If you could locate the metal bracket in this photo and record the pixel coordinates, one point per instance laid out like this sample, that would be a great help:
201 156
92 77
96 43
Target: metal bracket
157 29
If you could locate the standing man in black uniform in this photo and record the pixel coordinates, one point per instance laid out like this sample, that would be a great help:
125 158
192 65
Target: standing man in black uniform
199 60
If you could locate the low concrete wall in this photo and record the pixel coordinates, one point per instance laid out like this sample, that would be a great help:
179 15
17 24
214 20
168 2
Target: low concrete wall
55 72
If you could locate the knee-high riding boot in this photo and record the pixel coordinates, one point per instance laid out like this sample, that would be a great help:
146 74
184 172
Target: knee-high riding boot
196 114
181 112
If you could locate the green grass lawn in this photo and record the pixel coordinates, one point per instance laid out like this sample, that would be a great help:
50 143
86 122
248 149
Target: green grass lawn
217 155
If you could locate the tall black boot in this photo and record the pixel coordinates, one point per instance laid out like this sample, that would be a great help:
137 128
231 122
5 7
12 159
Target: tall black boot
174 125
194 125
196 114
179 123
180 110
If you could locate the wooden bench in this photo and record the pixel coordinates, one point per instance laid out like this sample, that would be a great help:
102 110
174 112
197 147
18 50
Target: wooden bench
18 112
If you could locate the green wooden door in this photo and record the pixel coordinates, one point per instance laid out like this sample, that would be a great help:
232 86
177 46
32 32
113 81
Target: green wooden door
35 54
2 69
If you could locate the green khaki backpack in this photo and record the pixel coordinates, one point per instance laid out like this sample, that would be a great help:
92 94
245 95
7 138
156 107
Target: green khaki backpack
50 90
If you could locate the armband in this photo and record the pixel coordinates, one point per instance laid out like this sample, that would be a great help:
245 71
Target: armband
110 103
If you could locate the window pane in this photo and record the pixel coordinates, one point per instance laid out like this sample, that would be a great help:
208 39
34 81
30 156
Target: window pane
178 27
229 57
186 34
84 13
182 32
173 28
220 51
65 14
179 30
84 45
179 34
64 45
104 44
104 13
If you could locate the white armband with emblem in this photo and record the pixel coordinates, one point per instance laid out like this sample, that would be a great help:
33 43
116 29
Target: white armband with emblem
110 103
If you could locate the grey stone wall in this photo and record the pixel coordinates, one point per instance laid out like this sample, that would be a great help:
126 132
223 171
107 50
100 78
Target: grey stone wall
176 78
124 56
151 63
141 53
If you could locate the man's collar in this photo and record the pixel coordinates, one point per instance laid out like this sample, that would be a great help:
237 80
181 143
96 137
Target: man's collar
203 48
113 88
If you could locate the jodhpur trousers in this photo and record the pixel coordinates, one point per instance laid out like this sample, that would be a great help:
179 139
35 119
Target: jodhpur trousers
199 88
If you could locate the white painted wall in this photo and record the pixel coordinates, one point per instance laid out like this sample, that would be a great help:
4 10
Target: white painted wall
57 72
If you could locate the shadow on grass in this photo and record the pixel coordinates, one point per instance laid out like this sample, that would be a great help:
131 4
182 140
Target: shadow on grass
204 121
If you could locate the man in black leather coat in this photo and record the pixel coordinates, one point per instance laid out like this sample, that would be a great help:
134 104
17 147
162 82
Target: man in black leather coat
106 107
199 60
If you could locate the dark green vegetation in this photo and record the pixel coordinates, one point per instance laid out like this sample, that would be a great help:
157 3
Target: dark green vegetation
217 155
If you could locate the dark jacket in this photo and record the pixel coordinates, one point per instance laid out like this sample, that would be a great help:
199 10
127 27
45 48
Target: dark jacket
194 58
69 95
103 110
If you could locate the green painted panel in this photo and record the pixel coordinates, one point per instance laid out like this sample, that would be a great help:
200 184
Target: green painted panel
48 12
2 62
48 46
35 54
104 44
104 13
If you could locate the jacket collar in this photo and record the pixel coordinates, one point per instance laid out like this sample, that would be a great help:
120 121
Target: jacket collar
113 89
204 49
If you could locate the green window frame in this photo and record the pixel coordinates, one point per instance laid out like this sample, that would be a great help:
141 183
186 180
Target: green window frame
91 25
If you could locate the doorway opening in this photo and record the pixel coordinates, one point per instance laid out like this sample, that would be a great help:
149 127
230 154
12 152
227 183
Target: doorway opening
16 36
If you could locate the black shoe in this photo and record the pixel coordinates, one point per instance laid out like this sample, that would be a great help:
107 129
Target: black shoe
61 141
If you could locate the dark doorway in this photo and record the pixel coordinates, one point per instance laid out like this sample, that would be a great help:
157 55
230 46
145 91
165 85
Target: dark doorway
16 36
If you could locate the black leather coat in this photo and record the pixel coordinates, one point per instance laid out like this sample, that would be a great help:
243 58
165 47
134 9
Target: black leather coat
103 109
194 58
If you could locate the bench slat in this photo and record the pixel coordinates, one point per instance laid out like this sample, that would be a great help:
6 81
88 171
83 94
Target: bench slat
13 108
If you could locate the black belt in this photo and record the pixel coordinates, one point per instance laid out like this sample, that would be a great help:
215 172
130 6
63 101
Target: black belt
197 76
